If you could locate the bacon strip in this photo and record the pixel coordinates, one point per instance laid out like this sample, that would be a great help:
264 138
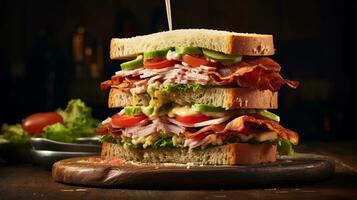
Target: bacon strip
261 73
241 124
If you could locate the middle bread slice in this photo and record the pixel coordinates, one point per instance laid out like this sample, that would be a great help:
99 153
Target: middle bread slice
228 98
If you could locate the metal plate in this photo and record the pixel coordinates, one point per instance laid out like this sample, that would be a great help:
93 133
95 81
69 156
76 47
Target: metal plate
46 152
300 168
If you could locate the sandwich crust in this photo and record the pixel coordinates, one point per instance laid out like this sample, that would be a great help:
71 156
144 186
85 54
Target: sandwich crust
229 154
229 98
232 43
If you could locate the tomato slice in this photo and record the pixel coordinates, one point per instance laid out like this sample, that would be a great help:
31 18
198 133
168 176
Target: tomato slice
196 61
158 63
192 119
127 120
36 122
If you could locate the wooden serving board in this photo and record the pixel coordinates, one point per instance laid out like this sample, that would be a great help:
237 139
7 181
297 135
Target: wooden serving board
301 168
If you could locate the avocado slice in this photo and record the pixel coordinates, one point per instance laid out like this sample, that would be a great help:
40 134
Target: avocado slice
221 57
156 54
285 147
133 64
188 50
269 115
148 110
133 110
207 108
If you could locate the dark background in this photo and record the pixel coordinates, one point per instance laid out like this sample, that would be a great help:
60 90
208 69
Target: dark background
52 51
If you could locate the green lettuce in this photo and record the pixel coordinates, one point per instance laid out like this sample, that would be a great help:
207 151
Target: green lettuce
77 122
173 87
13 134
58 132
285 147
163 142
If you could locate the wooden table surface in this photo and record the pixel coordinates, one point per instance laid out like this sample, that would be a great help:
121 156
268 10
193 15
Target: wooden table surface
31 182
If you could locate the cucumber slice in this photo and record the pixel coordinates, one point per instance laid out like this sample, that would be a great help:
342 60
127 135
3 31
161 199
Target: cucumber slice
132 110
156 54
207 108
188 50
221 57
133 64
269 115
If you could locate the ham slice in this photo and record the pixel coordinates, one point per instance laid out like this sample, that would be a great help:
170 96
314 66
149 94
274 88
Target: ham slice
143 128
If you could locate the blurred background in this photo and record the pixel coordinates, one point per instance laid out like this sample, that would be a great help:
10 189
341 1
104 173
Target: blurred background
52 51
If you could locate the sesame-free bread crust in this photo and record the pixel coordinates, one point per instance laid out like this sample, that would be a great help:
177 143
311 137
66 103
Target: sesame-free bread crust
229 154
232 43
229 98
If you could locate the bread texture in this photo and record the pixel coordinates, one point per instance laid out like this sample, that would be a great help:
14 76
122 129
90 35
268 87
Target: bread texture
232 43
229 154
229 98
120 99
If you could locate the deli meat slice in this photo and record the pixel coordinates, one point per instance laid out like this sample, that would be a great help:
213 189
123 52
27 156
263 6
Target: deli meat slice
241 125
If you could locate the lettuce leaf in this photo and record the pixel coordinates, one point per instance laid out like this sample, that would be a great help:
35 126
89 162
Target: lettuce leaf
77 122
58 132
285 147
13 134
78 118
173 87
163 142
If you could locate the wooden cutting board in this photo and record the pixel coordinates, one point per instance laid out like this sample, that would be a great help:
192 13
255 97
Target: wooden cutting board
301 168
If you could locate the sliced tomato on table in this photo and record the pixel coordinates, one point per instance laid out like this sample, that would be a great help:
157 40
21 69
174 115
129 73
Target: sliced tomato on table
127 120
192 119
196 61
159 63
36 122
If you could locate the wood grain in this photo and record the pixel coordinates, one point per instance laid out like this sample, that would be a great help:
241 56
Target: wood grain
301 168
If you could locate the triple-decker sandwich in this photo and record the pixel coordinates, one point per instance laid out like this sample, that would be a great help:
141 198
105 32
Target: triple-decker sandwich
195 96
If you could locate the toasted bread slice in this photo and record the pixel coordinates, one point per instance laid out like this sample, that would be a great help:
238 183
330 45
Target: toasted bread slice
229 98
231 43
229 154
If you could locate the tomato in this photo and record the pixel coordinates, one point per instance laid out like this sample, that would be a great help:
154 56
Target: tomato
127 120
36 122
192 119
196 61
158 63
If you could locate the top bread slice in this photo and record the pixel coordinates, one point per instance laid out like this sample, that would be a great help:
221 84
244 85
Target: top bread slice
232 43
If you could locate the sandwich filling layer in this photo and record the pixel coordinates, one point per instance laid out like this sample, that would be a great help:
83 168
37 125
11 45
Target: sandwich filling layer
165 123
197 66
198 126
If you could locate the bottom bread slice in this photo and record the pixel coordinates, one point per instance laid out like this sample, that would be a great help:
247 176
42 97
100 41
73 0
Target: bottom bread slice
229 154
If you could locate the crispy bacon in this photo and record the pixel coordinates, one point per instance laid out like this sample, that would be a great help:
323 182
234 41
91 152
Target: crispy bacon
103 129
261 73
105 85
240 124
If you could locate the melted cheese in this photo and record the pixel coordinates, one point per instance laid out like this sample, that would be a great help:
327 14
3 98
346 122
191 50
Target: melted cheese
187 111
182 111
